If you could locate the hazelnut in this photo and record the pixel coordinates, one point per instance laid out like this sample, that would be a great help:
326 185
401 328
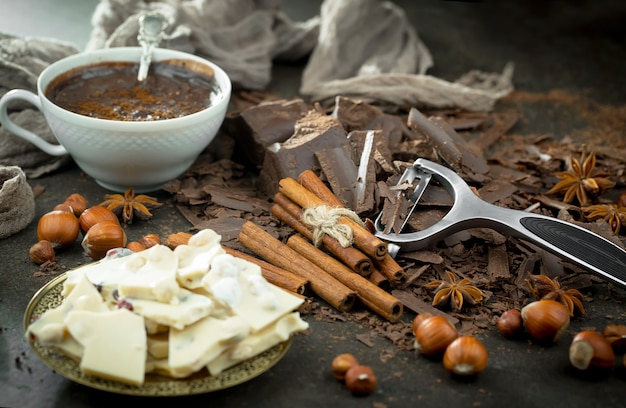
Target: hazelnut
360 380
545 320
510 323
102 237
93 215
466 355
589 348
63 207
58 227
615 334
178 238
433 335
341 364
77 203
419 319
135 246
42 252
150 240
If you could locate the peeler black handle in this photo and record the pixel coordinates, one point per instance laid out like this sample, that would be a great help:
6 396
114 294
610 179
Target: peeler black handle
580 246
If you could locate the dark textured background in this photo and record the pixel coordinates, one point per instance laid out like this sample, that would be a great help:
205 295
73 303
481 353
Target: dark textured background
577 46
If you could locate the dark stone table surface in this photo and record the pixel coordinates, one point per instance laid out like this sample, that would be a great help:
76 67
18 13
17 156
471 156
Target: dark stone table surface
578 46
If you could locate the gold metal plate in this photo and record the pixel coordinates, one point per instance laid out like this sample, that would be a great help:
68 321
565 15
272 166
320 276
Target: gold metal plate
49 296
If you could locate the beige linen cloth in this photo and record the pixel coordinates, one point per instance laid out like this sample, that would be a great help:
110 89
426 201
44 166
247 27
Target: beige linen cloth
365 49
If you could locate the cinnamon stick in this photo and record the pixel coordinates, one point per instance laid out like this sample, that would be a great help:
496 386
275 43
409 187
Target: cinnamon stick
392 270
387 265
275 252
370 244
314 184
378 279
291 214
273 274
373 297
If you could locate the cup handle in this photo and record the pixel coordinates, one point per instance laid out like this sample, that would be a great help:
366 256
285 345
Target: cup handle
27 96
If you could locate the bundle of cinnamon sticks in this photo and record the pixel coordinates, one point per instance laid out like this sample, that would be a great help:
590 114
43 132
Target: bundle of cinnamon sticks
337 273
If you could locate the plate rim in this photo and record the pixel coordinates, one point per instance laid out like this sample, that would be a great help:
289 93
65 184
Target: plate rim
270 357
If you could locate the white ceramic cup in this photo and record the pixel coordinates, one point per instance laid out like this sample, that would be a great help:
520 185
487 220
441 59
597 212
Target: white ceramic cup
143 155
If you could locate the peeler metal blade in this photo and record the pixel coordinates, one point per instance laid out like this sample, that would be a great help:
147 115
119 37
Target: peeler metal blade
407 187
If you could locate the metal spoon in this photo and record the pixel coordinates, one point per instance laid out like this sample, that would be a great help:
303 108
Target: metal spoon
151 33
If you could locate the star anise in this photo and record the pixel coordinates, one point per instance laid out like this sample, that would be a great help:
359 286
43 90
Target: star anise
582 181
543 287
614 215
455 292
129 204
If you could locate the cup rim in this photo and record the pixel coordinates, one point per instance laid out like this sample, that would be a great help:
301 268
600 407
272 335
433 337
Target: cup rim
128 54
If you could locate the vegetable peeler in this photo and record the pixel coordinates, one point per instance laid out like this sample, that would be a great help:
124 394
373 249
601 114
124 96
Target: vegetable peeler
569 241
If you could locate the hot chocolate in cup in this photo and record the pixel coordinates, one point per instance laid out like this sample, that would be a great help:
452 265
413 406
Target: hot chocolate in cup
142 154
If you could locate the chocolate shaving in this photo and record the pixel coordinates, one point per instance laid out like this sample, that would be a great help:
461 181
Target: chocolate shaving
417 305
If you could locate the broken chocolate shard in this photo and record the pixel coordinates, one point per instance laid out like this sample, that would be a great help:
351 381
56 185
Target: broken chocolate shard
340 172
450 146
313 133
354 114
498 266
265 124
471 158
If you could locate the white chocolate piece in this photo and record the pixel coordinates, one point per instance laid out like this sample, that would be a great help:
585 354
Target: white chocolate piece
195 346
154 327
240 285
187 309
115 345
151 275
158 345
105 274
50 330
259 342
159 366
194 258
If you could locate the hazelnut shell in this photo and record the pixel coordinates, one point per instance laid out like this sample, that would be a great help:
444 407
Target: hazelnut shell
545 320
341 364
615 334
93 215
102 237
433 335
360 380
59 227
510 323
588 349
42 252
466 355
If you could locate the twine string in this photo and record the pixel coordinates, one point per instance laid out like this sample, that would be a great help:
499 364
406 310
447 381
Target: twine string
324 221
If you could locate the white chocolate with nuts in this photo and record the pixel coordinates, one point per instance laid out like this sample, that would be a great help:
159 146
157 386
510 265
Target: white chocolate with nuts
195 258
257 342
239 285
151 275
188 309
50 328
106 275
194 347
233 315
